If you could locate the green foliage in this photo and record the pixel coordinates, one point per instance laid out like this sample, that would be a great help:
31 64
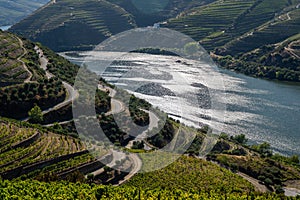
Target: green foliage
35 114
102 102
138 145
292 160
17 100
192 174
60 67
191 48
139 116
29 144
269 171
264 149
30 189
164 136
241 139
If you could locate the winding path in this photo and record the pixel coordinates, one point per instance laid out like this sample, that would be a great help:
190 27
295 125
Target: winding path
291 51
153 123
71 92
23 63
117 107
259 187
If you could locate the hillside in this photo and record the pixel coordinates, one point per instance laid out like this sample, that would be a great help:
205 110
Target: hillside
23 82
66 190
14 11
50 150
12 68
233 30
69 24
26 150
146 13
248 31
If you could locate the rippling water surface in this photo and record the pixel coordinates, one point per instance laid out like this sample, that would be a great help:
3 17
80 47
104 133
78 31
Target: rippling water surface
233 103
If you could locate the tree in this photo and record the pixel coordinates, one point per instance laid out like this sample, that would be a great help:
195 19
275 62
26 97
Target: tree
35 114
90 178
295 159
191 48
241 139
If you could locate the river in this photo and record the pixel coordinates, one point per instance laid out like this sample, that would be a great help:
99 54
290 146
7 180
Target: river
5 28
265 111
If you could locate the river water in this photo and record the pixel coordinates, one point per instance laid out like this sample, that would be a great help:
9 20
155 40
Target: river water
265 111
5 28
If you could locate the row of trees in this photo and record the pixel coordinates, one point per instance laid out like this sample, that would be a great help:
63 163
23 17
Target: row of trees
16 101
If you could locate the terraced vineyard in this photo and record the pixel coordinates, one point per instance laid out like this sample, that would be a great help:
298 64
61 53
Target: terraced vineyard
146 13
25 150
215 18
66 190
70 25
192 174
29 151
224 27
270 33
259 13
11 69
79 24
252 32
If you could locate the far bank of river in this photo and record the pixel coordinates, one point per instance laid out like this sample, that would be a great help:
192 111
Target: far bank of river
265 111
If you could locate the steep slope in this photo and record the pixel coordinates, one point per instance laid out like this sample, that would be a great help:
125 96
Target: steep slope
146 13
23 82
71 25
74 24
14 11
280 28
222 21
279 61
248 31
11 66
269 51
26 151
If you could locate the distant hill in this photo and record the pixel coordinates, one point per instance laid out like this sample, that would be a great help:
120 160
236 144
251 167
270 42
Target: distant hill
248 31
74 24
146 13
227 28
14 11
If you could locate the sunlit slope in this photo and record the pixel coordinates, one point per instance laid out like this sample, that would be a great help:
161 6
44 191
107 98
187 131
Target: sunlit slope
11 67
261 35
275 31
74 24
223 21
65 190
31 152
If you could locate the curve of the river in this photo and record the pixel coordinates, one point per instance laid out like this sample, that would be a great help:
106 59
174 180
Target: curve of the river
265 111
